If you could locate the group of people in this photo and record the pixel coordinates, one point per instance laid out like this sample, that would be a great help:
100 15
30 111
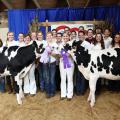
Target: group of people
56 70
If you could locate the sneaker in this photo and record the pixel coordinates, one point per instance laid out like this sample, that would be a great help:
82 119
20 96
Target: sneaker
62 98
32 95
48 96
69 99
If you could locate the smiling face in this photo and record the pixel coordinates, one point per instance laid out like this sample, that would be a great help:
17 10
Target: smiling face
59 37
81 36
107 32
73 35
10 36
33 36
66 37
49 37
98 38
21 37
54 32
117 39
27 39
90 34
39 36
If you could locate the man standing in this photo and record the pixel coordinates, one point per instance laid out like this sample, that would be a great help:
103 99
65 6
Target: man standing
80 80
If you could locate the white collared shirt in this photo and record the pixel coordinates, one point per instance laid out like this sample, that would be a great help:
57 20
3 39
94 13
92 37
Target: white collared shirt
97 47
107 42
11 43
21 44
86 45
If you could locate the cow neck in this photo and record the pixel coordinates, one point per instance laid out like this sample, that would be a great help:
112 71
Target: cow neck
82 56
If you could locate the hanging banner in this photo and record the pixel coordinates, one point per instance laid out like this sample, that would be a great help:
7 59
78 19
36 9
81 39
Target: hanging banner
73 27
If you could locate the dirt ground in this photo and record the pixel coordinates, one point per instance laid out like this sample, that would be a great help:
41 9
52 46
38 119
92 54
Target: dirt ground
40 108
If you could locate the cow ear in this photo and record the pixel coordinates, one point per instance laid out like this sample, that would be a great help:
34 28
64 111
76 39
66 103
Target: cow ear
1 43
34 44
76 43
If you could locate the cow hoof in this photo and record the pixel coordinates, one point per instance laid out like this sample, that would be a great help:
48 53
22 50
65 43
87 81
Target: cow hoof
88 100
22 96
20 102
91 104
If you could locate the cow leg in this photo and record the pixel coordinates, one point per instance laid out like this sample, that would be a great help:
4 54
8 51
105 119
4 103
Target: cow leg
89 97
18 89
92 85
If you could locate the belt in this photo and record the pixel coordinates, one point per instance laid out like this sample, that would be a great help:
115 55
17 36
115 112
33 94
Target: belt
50 63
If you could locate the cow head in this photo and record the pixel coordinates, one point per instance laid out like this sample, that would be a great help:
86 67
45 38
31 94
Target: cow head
78 53
38 48
75 44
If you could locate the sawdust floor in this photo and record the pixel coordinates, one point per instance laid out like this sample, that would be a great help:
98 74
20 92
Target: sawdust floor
40 108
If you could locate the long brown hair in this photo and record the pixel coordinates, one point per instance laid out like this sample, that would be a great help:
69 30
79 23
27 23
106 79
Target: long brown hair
1 43
113 41
102 41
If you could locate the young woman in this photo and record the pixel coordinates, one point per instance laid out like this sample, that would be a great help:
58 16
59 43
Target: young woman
54 33
90 36
10 42
107 41
40 68
116 41
107 38
66 70
21 40
73 36
29 79
48 58
2 80
98 44
115 85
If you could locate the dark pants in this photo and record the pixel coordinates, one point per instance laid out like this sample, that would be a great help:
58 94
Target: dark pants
57 78
9 83
41 78
2 84
114 85
37 76
49 77
81 83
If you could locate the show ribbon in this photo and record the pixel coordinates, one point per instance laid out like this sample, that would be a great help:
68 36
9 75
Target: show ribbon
65 59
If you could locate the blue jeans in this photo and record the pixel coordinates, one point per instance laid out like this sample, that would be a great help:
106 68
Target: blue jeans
41 78
49 70
2 84
80 82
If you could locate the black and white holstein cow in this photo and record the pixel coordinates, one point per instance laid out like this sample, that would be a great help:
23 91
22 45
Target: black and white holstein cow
96 64
17 61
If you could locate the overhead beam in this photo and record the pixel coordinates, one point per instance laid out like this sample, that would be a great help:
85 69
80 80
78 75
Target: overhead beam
119 2
88 1
68 3
36 3
7 4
